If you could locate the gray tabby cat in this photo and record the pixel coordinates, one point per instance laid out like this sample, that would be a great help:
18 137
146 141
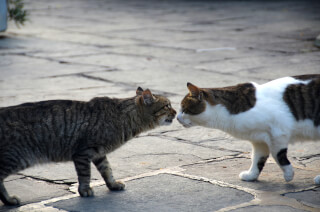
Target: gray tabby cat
65 130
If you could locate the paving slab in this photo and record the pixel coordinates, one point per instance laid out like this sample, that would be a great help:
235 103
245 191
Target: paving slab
30 190
270 179
158 193
128 161
268 209
309 197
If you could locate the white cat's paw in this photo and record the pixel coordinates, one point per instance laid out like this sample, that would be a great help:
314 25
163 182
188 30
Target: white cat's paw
248 176
288 173
317 180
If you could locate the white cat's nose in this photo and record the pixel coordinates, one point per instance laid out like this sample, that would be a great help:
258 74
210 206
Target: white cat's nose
179 117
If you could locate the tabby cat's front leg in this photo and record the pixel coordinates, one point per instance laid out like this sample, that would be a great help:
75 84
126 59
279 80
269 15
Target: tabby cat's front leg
105 170
260 154
82 164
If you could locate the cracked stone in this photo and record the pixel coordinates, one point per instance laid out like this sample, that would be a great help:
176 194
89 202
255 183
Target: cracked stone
57 172
210 138
30 190
309 197
20 67
270 179
139 155
162 192
272 208
56 88
144 154
305 150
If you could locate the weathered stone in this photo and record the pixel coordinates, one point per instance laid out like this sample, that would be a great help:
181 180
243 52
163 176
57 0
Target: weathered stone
270 179
30 190
309 197
273 208
159 193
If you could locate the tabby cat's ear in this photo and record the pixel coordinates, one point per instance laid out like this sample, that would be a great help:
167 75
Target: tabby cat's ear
147 97
139 91
194 91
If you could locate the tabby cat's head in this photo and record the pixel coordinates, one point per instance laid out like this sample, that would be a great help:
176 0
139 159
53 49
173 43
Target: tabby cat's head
193 105
155 107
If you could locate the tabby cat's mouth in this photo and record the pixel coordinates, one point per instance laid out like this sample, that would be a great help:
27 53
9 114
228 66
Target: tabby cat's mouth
169 120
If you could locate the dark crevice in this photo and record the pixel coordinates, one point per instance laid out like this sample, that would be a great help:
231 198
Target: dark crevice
162 154
219 20
167 47
56 60
308 157
57 182
126 86
77 74
181 140
216 159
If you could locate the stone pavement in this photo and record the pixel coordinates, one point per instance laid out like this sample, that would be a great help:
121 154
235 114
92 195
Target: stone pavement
80 49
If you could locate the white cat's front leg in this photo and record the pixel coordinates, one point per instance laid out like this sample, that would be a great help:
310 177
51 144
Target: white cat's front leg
260 154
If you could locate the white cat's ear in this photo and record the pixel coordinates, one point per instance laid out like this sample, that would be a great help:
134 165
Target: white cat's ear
147 96
139 91
194 91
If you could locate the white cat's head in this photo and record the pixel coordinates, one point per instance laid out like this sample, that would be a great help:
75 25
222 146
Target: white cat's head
193 108
213 107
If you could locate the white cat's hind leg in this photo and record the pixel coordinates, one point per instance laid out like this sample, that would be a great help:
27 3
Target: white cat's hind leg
260 154
317 180
279 153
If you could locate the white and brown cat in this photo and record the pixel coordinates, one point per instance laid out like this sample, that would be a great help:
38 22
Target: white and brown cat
269 115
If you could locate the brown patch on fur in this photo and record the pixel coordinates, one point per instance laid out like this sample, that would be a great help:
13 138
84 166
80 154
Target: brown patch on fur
192 105
236 99
304 100
307 76
194 91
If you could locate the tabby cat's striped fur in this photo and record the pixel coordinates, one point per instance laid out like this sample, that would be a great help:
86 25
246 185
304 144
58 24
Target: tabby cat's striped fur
64 130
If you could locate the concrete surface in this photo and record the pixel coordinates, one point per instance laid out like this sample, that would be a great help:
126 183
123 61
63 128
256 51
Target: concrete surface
82 49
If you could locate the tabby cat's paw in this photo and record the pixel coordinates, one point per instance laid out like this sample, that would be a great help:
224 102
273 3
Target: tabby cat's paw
116 186
317 180
12 201
248 176
86 192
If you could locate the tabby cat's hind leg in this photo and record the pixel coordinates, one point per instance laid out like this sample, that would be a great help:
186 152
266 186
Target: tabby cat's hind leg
5 198
82 164
260 154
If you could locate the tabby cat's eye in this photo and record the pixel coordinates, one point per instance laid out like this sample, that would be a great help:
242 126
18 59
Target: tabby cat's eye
168 106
